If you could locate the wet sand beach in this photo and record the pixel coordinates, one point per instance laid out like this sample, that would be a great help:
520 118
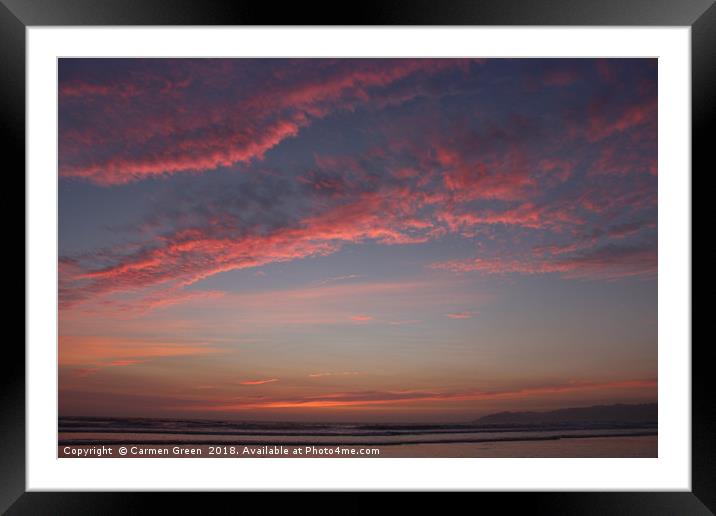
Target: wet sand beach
588 447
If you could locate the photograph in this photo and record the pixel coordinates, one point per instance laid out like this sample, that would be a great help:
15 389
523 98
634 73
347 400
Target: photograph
357 257
414 248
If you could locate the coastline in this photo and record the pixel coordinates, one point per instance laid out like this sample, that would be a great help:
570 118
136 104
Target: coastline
612 446
76 442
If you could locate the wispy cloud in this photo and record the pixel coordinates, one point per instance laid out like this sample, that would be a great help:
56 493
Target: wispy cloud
405 322
372 398
431 185
608 262
462 315
361 318
90 354
258 382
177 131
335 279
342 373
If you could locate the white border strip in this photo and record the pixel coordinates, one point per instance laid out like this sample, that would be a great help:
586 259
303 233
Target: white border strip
671 471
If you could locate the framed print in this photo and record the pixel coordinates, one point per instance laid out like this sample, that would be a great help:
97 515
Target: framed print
432 249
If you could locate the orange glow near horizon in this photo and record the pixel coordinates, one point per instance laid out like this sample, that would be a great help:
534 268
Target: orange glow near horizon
410 397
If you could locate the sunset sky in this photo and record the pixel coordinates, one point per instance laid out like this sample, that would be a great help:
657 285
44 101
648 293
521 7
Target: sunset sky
356 239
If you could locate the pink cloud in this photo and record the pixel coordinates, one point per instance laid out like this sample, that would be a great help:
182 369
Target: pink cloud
623 161
342 373
154 300
526 215
504 177
178 133
608 262
392 215
449 187
601 125
99 351
124 363
258 382
83 372
189 256
209 153
462 315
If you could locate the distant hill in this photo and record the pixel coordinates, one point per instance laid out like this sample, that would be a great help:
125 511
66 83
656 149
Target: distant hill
646 412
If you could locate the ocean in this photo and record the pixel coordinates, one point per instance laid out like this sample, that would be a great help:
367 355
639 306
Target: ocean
272 439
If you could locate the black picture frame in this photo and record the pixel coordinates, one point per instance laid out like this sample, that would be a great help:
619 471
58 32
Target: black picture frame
17 15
